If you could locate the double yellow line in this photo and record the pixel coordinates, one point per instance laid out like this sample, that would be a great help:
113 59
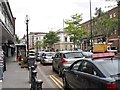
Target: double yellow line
57 82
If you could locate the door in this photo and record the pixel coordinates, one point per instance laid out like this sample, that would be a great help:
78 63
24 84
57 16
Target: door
56 61
72 76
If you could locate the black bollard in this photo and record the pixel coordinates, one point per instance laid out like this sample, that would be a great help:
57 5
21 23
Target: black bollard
35 65
39 84
33 79
31 69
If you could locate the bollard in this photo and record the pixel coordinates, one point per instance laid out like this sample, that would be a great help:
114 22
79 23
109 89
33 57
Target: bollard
39 84
35 65
33 79
31 69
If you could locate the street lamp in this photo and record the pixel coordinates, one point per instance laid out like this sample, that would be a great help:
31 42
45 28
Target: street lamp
26 21
91 26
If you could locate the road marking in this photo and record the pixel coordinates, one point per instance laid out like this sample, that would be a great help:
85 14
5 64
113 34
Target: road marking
43 74
57 82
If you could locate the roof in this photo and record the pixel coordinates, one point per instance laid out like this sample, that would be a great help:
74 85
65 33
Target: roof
68 51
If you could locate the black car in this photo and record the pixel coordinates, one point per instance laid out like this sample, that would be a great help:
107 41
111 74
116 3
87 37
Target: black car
92 75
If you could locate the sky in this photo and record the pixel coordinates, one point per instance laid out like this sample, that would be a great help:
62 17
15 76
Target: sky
47 15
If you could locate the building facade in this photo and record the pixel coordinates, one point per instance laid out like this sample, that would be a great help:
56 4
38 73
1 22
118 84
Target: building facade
34 37
7 28
113 14
65 42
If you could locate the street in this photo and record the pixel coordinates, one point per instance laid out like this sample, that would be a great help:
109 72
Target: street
50 78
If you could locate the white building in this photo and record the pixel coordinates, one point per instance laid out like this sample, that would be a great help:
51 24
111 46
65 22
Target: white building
65 41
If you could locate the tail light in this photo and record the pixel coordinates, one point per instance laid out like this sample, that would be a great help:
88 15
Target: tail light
63 60
112 86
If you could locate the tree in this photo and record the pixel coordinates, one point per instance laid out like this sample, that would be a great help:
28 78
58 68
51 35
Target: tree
38 45
98 12
17 39
51 38
74 28
103 24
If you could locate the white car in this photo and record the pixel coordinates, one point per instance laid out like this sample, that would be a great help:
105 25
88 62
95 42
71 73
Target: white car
47 57
32 54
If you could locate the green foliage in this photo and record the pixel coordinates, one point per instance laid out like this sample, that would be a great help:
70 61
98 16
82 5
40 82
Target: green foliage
51 38
74 28
38 44
103 24
17 39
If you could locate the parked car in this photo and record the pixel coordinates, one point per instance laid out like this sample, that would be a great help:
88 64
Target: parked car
47 58
87 54
64 59
117 56
39 56
92 75
32 53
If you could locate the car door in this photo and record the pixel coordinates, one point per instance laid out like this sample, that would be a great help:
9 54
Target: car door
56 61
80 78
89 76
72 75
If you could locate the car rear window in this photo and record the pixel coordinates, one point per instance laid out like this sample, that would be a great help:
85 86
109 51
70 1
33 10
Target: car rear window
49 54
32 54
111 67
73 55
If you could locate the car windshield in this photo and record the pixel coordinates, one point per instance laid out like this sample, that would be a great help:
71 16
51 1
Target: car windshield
73 55
39 54
49 54
111 66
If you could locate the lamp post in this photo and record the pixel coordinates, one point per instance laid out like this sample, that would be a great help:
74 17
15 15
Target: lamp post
118 3
27 21
91 27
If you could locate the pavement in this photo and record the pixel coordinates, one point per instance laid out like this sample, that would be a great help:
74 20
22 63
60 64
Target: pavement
15 77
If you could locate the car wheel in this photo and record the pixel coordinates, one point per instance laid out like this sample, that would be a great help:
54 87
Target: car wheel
65 84
59 73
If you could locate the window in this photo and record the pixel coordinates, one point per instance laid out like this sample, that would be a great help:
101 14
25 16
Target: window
110 15
70 47
65 39
114 14
70 39
57 56
87 67
36 38
76 65
65 47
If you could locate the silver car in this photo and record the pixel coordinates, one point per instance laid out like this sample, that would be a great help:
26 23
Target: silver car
47 58
64 59
39 56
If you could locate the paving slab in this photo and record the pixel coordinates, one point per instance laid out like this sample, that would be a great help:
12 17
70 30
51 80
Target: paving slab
15 77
